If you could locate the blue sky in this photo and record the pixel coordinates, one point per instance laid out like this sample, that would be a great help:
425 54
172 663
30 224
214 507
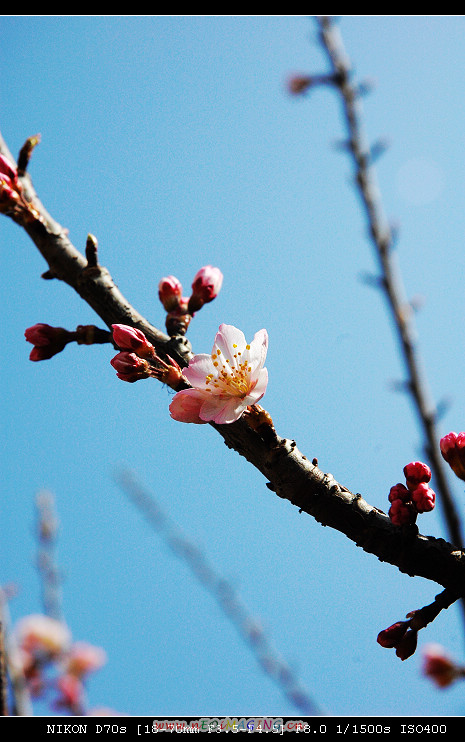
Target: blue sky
173 140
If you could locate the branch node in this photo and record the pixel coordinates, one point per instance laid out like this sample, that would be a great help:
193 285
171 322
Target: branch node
26 153
91 251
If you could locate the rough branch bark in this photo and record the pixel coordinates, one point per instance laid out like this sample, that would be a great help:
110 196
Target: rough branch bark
290 474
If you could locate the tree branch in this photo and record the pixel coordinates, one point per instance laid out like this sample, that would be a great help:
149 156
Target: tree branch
290 474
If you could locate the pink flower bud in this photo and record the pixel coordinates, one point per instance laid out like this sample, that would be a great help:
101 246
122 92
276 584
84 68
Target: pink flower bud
130 367
399 492
423 497
391 636
205 287
452 448
170 292
416 472
47 340
132 339
439 667
407 645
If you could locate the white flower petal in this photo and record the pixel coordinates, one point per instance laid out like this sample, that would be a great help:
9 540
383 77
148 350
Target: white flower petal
200 366
229 340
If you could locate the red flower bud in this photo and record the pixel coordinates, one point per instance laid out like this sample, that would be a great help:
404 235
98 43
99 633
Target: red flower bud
399 492
391 636
402 513
416 472
407 645
423 497
453 451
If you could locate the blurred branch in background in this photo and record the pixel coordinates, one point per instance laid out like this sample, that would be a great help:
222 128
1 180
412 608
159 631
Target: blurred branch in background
390 280
223 592
47 530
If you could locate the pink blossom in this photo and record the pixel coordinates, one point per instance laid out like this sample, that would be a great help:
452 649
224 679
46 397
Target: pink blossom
452 448
130 338
205 287
423 498
226 382
38 634
416 472
170 292
84 658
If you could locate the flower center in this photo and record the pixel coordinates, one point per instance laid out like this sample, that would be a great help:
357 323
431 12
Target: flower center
232 376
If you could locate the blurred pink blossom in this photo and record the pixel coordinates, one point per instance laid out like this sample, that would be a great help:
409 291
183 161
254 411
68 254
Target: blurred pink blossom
38 634
83 658
438 666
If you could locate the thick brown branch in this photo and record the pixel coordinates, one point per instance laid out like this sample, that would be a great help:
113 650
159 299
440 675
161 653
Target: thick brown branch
288 472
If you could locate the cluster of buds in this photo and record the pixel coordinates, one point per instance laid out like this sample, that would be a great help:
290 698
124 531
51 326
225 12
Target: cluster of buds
452 448
48 340
180 309
401 636
47 658
438 666
138 359
416 496
12 199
